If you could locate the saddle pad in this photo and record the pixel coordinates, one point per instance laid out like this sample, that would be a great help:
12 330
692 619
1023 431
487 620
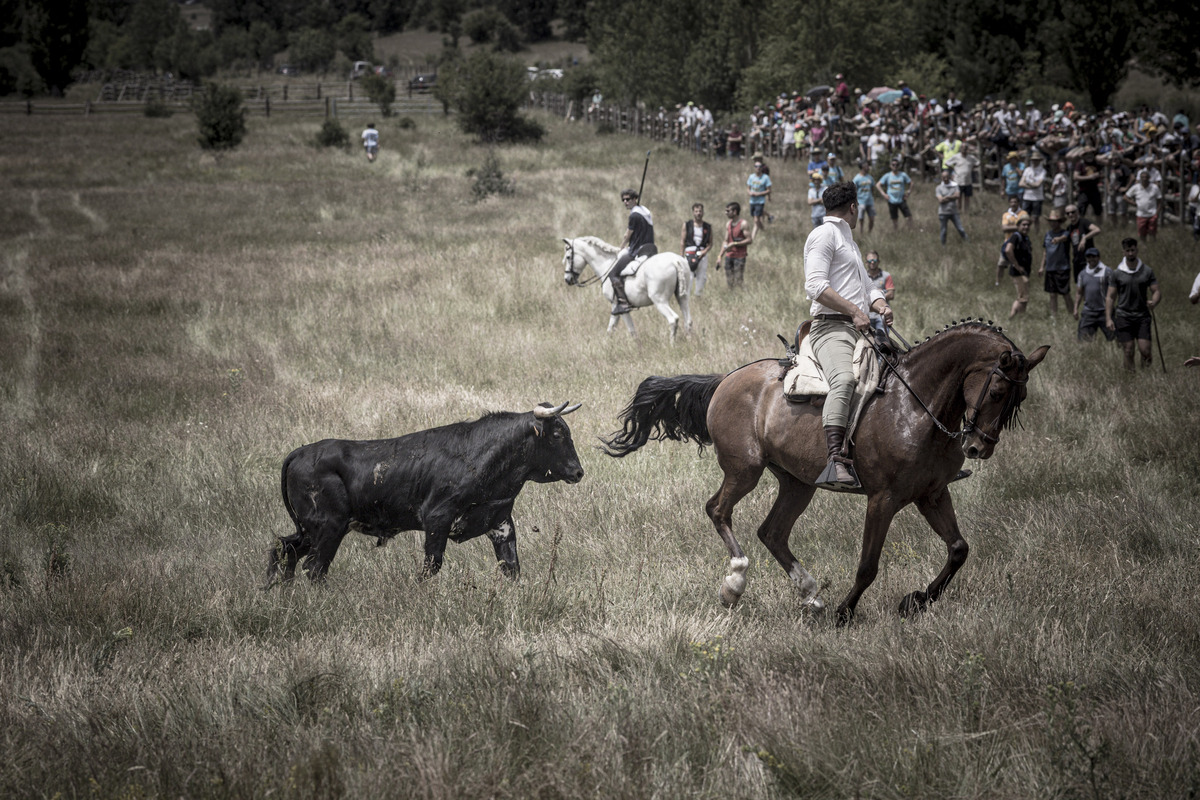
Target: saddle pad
805 379
632 267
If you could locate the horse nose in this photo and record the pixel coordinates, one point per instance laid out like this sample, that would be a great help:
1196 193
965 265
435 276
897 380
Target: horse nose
972 451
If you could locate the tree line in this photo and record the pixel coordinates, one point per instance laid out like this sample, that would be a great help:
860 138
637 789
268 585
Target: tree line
725 54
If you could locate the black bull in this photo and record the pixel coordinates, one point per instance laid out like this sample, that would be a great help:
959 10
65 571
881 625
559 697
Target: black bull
455 482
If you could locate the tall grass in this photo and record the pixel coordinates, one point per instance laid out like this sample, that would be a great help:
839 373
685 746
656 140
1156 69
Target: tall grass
173 327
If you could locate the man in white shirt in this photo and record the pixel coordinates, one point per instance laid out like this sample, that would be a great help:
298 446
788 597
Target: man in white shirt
842 297
1033 182
1147 198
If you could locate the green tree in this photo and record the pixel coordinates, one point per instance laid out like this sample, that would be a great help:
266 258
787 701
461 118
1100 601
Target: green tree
220 117
1096 56
312 50
1169 41
381 91
487 90
56 38
532 17
990 43
353 37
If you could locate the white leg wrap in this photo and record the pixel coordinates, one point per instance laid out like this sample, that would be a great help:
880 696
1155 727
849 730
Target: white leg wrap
735 581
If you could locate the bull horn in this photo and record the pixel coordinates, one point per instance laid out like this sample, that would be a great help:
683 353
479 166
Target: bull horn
569 409
541 412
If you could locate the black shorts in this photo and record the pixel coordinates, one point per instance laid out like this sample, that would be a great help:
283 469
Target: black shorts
1057 281
1032 207
966 190
1130 328
896 209
1090 322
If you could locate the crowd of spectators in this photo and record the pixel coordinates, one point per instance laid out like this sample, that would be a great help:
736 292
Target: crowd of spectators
1092 159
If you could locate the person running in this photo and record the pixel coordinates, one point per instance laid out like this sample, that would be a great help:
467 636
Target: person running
1056 263
1132 295
733 251
895 185
842 296
370 139
1008 224
1093 284
1018 251
637 241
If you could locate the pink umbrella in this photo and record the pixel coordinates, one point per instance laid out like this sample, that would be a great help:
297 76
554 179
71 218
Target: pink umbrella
878 90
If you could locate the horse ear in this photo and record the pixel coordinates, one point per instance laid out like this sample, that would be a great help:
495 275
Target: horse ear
1036 357
566 240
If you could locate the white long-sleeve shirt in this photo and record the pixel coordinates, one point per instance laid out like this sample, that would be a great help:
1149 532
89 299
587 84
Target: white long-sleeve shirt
832 260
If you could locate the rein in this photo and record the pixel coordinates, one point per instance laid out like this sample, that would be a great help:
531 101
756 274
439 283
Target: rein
971 425
596 276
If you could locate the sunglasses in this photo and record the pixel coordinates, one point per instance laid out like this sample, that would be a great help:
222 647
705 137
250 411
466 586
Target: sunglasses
872 260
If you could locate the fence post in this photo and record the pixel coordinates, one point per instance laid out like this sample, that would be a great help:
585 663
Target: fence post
267 105
318 90
87 108
285 92
333 100
326 108
28 108
350 90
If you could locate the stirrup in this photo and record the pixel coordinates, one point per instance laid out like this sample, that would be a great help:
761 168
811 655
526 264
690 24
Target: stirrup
621 308
828 479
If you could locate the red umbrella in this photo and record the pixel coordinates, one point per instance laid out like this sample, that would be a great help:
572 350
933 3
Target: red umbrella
878 90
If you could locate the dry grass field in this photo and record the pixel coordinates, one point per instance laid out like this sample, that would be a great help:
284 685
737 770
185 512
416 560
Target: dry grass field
173 326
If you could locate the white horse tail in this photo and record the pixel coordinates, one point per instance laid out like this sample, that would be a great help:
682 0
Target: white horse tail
683 291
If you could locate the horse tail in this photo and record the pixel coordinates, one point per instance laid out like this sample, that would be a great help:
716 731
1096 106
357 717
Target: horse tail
665 408
683 280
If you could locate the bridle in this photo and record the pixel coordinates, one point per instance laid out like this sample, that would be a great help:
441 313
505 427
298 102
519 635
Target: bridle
971 424
569 259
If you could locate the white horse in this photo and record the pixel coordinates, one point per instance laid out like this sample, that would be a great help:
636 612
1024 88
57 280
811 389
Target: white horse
656 280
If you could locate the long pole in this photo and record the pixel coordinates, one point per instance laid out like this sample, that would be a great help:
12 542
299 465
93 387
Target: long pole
1157 340
643 183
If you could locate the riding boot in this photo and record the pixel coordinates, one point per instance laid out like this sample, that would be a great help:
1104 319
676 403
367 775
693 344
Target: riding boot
839 473
620 300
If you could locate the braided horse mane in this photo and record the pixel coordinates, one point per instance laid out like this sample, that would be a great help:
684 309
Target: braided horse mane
601 245
1009 415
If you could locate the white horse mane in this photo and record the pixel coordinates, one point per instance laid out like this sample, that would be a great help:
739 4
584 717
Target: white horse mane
600 245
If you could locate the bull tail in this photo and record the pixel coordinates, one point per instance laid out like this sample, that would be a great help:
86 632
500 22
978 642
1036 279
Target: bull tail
281 555
665 408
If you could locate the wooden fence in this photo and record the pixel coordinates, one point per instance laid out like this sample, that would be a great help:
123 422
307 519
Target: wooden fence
267 104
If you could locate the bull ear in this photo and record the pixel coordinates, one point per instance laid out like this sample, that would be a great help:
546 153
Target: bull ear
1036 357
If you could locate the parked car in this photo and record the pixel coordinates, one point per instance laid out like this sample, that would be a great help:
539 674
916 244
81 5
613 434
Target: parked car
383 71
422 83
360 69
289 69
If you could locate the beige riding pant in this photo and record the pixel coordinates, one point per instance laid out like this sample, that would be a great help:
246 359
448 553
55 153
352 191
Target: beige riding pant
833 345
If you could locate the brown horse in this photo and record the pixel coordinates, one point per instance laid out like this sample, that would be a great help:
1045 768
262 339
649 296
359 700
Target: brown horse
905 449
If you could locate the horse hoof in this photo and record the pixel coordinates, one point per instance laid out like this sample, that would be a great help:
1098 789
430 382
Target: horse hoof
728 598
815 604
914 604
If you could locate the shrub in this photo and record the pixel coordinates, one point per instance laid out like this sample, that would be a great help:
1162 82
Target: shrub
489 179
220 117
406 124
487 90
480 24
332 134
381 91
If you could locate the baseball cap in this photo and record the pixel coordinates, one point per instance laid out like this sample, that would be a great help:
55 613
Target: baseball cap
831 155
816 175
1091 251
1013 154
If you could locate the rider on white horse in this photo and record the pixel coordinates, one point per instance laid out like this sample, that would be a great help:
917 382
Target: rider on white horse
638 241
